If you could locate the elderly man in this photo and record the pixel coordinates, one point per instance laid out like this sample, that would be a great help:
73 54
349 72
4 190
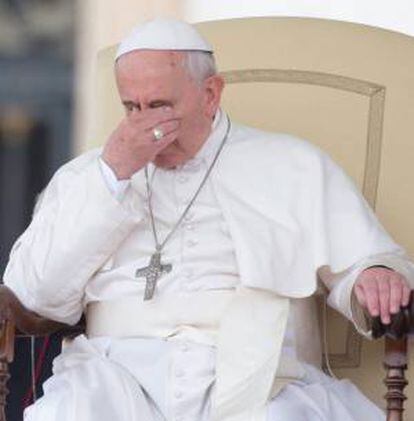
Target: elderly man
192 243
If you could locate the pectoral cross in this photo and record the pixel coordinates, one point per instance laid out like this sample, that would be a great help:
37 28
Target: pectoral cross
152 273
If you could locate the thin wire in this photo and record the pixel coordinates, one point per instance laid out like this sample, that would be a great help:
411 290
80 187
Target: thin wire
33 369
325 337
159 246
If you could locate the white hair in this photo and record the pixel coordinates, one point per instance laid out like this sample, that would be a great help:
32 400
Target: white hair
200 65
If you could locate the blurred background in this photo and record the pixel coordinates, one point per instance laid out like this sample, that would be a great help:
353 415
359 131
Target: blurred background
47 75
36 117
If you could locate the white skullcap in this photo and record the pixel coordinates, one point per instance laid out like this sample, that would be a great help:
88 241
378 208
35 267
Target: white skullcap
163 34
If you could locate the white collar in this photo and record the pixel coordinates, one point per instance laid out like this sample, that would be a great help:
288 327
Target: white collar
215 137
209 148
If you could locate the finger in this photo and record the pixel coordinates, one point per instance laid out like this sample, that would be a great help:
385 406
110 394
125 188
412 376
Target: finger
170 131
5 314
166 127
360 295
165 141
151 117
384 300
371 296
396 292
406 293
146 135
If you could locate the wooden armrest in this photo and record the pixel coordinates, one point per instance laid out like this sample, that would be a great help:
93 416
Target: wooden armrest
15 319
26 321
395 357
402 323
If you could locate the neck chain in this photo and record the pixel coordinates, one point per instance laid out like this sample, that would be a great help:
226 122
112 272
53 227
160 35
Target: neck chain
156 269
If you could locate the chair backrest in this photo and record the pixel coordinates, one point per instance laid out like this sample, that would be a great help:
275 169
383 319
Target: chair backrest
349 89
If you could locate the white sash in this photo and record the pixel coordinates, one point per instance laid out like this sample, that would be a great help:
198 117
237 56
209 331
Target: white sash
247 326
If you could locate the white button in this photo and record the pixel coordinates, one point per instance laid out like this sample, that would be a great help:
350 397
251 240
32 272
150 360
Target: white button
185 200
178 394
224 227
182 179
184 347
190 226
188 217
192 165
192 243
195 167
179 373
188 273
189 287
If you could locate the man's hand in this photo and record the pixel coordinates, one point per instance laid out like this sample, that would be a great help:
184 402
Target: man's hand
382 292
131 146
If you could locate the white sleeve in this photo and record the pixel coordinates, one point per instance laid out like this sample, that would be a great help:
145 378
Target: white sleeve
341 296
76 227
115 186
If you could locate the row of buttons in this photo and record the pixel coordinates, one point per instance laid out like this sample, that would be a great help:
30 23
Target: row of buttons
193 371
179 372
190 243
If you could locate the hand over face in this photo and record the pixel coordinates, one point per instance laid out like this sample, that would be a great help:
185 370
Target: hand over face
132 145
382 292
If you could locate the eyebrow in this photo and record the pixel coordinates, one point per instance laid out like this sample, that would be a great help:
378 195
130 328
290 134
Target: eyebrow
155 103
160 103
129 103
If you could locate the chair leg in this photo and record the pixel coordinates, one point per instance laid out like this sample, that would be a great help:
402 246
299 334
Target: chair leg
4 377
395 362
7 336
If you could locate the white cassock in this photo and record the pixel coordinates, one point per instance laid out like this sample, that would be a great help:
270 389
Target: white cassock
273 211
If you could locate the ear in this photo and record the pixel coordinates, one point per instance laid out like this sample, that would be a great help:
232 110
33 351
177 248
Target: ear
213 87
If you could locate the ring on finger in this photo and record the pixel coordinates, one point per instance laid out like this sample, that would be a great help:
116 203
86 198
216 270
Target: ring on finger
158 134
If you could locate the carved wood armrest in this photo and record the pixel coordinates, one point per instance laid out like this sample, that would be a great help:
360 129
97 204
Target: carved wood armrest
16 319
395 358
402 323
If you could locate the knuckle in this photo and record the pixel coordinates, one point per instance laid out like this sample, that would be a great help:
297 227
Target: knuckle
372 299
396 288
396 280
371 288
383 286
365 281
404 281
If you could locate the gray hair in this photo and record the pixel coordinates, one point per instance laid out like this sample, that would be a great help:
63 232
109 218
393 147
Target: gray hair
200 65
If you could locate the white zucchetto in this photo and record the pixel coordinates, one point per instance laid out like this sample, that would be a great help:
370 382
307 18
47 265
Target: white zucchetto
163 34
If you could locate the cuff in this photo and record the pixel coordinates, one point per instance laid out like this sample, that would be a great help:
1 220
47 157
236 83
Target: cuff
342 297
115 186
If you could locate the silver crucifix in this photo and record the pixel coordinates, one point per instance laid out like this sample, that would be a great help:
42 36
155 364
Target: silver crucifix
152 273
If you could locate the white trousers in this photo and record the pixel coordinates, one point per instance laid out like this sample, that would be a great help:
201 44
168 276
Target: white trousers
320 398
91 384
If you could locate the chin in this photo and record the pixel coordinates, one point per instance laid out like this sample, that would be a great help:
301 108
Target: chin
168 161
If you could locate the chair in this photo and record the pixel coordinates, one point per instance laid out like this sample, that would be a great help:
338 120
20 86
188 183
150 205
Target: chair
344 87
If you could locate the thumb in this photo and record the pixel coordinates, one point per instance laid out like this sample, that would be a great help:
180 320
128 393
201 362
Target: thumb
360 295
